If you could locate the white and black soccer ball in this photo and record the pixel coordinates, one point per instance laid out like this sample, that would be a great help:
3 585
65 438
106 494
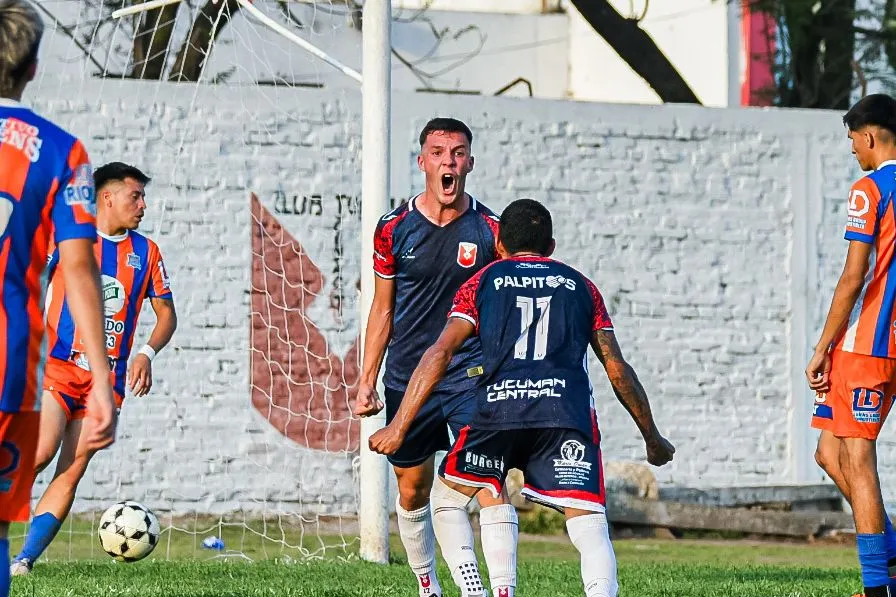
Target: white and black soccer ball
128 531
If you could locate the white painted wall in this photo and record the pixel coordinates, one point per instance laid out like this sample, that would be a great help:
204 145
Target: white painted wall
705 229
692 33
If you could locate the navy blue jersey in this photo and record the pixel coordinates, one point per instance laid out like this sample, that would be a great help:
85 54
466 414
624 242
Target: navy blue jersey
429 263
535 317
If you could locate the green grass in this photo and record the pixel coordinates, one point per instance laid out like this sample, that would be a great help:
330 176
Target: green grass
179 567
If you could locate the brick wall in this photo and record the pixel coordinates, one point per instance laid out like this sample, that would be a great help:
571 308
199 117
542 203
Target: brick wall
715 236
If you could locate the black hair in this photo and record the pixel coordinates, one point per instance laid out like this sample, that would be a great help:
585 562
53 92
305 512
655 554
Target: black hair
117 171
876 109
526 226
449 125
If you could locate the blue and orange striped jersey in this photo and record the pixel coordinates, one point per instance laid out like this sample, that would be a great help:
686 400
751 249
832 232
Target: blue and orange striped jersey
46 188
871 218
132 270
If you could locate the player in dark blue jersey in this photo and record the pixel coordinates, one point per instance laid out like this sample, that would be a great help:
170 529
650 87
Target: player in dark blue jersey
534 411
424 251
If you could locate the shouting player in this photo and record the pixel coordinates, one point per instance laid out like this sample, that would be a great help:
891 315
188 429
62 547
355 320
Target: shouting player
46 192
853 370
534 411
424 250
132 270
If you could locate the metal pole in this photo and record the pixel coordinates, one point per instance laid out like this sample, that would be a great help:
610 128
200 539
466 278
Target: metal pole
376 88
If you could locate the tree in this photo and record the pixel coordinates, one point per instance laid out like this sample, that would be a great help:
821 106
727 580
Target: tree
149 37
829 50
152 36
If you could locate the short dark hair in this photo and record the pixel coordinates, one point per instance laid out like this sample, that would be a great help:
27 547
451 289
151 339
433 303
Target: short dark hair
117 171
877 109
526 226
449 125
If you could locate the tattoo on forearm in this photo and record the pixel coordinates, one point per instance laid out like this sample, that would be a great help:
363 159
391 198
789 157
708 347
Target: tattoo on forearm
626 386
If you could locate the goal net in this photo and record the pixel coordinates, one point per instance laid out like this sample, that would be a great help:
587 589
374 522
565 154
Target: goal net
253 146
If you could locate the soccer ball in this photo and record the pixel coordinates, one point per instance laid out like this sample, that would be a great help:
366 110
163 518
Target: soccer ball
128 531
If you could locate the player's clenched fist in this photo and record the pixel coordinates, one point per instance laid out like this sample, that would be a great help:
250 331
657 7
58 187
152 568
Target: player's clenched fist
386 441
659 451
367 402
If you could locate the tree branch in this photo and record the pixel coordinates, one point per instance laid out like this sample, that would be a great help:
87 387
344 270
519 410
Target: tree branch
194 52
70 34
637 48
151 42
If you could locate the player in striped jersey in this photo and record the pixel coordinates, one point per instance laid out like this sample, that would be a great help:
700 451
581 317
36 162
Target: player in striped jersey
46 190
132 270
853 370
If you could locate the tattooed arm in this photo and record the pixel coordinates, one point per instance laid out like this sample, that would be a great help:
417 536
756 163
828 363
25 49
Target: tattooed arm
631 394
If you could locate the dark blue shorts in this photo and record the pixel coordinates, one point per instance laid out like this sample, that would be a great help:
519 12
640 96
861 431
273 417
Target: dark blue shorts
562 467
429 431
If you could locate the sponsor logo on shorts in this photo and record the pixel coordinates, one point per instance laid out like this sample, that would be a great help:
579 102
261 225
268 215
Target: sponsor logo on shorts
866 405
483 463
572 453
820 409
9 461
571 470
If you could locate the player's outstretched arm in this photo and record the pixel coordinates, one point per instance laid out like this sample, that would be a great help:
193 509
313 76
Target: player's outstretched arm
849 286
376 338
81 277
428 373
631 394
140 372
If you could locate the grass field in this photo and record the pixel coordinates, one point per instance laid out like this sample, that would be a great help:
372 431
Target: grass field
548 566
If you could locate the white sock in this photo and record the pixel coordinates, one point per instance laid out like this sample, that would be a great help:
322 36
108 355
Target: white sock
591 536
455 536
500 529
415 530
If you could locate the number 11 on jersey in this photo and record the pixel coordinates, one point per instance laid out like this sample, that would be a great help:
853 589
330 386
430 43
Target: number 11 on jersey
527 313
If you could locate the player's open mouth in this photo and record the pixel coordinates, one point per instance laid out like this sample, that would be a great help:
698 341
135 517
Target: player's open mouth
449 181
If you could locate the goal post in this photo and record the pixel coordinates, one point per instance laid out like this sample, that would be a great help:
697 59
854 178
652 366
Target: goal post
248 115
373 514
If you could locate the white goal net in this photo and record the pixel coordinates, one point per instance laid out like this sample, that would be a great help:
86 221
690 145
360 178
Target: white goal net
253 145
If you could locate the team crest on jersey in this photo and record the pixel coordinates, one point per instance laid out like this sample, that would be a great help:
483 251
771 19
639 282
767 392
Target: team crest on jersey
466 254
134 261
